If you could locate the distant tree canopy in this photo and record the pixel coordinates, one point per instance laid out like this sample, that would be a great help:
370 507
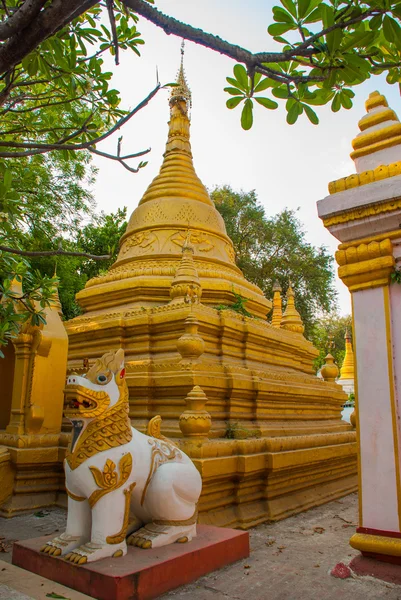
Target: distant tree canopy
101 235
275 248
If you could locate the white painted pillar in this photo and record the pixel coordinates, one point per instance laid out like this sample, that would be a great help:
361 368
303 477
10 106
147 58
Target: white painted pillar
363 212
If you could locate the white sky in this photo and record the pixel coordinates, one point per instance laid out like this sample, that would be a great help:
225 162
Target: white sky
287 166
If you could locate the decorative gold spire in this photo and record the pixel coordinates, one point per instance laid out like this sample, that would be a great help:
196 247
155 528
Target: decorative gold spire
186 285
277 305
291 318
181 90
177 177
347 370
380 129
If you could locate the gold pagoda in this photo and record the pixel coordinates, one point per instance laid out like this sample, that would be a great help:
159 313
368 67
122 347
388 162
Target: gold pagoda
240 393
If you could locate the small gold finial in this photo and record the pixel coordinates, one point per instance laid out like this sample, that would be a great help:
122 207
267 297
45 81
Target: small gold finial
291 318
329 371
195 422
181 91
277 305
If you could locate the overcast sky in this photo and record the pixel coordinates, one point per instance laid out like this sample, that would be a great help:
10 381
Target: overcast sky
287 166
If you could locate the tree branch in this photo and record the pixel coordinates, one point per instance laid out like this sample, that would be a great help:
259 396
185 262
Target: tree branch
55 15
39 148
58 252
20 18
110 10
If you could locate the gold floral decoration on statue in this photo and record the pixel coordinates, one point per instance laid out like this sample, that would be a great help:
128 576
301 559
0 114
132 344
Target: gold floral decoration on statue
108 480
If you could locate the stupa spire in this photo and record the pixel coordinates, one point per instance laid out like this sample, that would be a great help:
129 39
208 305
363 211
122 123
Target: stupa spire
177 177
181 90
347 370
291 319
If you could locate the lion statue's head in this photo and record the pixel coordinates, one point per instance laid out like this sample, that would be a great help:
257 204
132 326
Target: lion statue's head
90 395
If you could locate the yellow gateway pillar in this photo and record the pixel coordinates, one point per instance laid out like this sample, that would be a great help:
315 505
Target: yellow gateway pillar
363 211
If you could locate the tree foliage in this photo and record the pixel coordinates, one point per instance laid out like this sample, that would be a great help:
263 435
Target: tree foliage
100 236
275 248
51 52
328 336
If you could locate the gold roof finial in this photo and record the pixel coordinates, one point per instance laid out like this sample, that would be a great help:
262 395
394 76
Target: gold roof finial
291 319
181 91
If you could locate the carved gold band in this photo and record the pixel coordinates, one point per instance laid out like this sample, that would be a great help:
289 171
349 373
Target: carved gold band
191 521
74 496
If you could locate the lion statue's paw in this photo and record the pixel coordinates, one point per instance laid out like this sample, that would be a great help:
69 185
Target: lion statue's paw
153 535
62 544
91 551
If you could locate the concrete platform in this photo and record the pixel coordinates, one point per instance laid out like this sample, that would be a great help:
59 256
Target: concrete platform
141 574
18 584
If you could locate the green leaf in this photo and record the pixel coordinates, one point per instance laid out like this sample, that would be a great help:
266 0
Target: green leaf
266 102
247 115
314 16
280 92
7 179
333 40
232 91
279 28
242 77
345 100
282 16
293 113
264 84
336 104
327 13
392 31
376 22
312 116
303 7
290 6
233 102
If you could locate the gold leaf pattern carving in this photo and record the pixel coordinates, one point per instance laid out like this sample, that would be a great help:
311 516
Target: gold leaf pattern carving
108 480
162 451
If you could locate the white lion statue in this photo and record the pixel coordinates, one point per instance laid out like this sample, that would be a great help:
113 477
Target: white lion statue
119 481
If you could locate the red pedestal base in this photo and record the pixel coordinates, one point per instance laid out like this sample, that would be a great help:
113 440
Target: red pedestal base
141 574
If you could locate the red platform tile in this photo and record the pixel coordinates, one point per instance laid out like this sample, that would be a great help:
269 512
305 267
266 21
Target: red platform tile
141 574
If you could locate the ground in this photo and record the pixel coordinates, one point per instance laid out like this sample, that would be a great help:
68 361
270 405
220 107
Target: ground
290 560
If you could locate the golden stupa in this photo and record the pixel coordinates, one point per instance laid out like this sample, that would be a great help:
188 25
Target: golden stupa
241 394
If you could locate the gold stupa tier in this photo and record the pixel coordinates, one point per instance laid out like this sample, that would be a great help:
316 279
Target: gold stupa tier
176 207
